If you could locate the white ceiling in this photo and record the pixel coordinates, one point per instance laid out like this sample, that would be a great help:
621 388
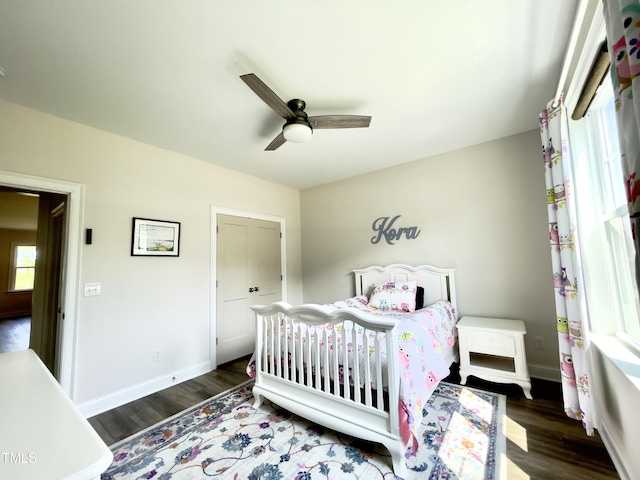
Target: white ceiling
435 76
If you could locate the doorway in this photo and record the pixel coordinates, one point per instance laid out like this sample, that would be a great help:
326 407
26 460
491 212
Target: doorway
248 251
33 247
63 291
18 234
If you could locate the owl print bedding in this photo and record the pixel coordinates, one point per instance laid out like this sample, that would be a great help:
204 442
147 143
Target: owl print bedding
423 337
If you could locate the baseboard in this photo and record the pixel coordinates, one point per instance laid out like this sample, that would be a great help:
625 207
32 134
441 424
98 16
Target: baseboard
17 314
129 394
610 445
545 372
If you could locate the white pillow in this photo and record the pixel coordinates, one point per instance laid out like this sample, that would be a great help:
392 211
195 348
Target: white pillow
394 296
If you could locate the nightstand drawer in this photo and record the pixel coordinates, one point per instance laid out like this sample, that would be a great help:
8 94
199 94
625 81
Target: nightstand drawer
493 343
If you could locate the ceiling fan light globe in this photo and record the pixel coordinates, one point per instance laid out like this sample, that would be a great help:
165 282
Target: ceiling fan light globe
297 132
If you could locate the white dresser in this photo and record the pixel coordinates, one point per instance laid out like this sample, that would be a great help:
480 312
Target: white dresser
493 349
43 436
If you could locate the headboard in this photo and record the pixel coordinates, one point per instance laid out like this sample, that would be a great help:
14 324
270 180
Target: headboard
438 283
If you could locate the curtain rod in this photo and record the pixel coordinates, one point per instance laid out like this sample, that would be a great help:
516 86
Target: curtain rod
597 73
571 49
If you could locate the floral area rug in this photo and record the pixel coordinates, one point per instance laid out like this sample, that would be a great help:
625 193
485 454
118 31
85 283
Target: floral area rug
225 437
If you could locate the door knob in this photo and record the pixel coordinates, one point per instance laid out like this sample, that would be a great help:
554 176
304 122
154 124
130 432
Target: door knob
251 290
256 289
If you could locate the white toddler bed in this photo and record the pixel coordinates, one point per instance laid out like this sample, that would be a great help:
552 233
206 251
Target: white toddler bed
301 362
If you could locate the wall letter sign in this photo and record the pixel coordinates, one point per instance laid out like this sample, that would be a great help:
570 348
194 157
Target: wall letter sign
385 230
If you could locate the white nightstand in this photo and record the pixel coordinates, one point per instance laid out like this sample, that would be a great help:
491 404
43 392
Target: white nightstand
493 349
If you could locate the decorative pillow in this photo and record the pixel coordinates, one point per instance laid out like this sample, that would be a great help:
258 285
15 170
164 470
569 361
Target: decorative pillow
419 298
394 296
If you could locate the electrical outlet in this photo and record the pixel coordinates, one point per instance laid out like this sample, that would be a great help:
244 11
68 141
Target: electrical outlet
156 355
539 342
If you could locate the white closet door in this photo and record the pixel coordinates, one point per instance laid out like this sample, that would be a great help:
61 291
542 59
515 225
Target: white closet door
248 273
266 272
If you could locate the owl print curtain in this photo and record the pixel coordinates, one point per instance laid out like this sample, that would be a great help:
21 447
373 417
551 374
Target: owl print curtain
561 212
622 19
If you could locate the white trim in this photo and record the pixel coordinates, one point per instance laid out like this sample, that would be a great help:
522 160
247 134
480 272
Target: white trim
215 210
134 392
544 372
572 46
72 261
612 449
594 32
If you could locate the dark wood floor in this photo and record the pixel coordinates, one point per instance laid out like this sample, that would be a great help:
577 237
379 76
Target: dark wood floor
14 334
124 421
542 443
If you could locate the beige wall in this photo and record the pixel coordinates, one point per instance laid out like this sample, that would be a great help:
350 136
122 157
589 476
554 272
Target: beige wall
18 211
146 303
481 210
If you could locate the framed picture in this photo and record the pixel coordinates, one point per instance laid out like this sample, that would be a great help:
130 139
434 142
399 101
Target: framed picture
155 238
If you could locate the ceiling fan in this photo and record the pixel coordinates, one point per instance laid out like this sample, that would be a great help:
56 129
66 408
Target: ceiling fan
299 127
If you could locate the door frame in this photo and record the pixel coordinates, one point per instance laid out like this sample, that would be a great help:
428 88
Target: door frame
213 321
60 210
71 264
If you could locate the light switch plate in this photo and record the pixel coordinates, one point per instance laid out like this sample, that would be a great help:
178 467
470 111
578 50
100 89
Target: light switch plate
92 289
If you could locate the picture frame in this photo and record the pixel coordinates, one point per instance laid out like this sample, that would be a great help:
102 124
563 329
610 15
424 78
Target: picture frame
155 238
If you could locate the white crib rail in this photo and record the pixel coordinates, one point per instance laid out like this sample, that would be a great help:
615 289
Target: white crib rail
294 344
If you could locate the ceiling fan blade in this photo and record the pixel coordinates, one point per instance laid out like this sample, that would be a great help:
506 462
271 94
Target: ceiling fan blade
267 95
340 121
276 142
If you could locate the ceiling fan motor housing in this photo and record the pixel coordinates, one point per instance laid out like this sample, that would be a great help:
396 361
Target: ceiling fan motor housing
298 106
297 129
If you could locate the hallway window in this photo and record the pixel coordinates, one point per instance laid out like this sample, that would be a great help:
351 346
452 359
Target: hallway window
23 261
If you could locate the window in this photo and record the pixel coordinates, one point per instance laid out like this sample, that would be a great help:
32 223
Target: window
23 267
611 219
